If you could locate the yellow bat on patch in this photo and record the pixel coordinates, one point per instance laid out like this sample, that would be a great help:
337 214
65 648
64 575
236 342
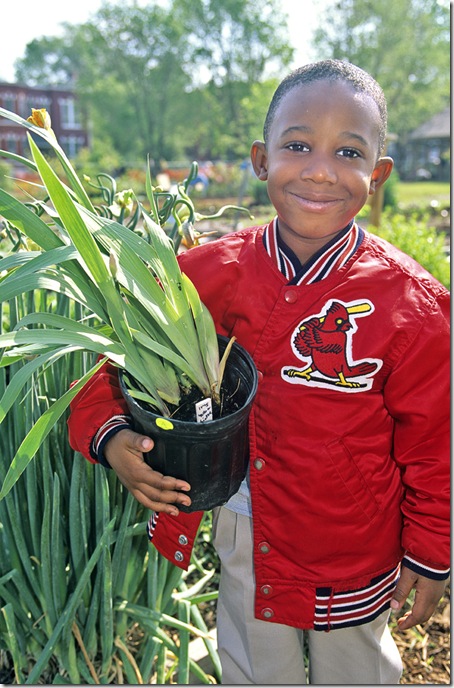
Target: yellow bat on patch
359 308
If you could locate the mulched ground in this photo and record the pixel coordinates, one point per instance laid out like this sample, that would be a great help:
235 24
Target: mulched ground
425 650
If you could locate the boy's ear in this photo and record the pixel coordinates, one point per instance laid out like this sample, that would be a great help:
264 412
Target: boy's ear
259 160
381 172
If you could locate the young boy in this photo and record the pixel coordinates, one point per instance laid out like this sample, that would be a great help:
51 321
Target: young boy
346 506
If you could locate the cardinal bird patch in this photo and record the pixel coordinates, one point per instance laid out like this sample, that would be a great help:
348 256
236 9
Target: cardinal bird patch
325 343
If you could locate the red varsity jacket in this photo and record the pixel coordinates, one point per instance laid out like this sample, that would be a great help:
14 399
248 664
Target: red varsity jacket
349 432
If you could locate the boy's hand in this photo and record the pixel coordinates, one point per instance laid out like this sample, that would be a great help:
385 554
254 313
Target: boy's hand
124 452
427 597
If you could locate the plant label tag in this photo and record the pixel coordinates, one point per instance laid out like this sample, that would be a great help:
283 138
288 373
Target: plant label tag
204 410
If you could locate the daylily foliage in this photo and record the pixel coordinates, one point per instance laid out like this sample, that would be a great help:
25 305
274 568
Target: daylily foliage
140 310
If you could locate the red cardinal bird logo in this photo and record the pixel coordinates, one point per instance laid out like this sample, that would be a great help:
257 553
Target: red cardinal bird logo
326 341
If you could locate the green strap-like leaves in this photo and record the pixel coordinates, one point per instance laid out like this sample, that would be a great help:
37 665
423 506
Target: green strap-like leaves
40 430
28 222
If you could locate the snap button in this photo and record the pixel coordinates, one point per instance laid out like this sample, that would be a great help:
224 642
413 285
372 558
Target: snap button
260 375
267 613
178 556
290 296
264 547
183 540
259 464
266 589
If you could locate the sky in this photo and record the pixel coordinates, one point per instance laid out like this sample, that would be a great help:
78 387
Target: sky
24 20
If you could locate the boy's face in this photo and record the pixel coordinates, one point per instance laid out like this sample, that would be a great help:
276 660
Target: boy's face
320 161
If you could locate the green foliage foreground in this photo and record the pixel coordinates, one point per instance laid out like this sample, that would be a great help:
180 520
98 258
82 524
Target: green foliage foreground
139 310
83 597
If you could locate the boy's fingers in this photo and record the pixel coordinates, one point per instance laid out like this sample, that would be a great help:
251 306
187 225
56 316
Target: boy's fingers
399 598
428 594
169 483
161 506
158 492
166 482
133 440
403 588
164 499
159 483
143 443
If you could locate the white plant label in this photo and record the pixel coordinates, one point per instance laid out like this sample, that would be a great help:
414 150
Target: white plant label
204 410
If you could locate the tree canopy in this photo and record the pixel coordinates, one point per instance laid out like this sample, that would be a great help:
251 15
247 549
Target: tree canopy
404 44
193 79
162 80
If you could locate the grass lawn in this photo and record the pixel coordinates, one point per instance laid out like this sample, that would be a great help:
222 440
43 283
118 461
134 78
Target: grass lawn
422 193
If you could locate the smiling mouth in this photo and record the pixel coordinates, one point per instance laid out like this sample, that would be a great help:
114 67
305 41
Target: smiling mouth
315 203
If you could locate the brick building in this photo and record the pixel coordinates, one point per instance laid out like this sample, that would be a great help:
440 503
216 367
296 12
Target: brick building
60 104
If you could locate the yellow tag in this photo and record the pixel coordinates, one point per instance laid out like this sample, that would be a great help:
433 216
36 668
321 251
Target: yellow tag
164 424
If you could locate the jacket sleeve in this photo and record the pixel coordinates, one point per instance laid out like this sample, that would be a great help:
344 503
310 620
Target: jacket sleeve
97 411
417 397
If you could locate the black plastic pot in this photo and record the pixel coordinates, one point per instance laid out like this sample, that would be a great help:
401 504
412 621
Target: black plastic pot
212 456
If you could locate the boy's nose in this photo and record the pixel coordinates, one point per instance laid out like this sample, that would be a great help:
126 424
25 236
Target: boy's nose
319 169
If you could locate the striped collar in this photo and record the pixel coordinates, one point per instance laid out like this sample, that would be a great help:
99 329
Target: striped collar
328 259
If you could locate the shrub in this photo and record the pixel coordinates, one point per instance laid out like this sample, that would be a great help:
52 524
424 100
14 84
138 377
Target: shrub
418 239
390 191
259 192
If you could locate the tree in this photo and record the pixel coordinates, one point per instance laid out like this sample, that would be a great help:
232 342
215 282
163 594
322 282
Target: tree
165 80
404 44
237 41
49 61
236 45
133 75
127 68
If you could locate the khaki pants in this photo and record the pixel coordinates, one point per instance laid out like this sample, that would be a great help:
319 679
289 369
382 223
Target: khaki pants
264 653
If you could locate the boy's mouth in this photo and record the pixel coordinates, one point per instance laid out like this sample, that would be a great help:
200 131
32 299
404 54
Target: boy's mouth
315 203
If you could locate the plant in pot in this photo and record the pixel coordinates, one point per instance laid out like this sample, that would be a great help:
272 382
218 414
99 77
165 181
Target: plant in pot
140 312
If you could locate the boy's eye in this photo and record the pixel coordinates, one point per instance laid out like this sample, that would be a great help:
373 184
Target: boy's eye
297 147
349 153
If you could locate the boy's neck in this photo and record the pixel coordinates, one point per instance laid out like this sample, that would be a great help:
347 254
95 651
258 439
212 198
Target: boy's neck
306 247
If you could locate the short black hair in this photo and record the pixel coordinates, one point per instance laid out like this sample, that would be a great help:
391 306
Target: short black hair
331 70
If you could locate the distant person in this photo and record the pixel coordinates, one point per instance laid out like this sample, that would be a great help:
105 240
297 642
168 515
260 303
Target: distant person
202 181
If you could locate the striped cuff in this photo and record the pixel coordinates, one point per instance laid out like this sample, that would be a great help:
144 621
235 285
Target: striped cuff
151 525
105 432
425 570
